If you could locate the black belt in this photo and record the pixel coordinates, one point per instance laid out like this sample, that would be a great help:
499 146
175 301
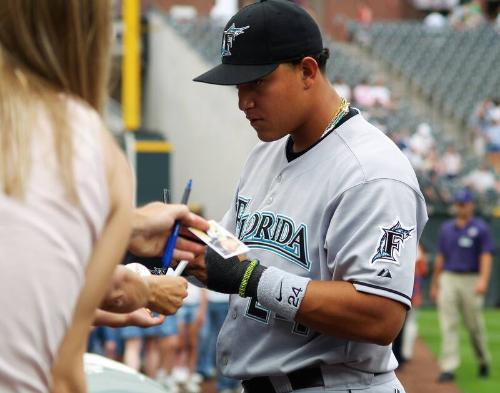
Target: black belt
300 379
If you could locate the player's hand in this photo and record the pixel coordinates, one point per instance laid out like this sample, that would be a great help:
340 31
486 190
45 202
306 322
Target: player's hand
143 318
187 246
227 275
196 268
152 224
481 287
166 293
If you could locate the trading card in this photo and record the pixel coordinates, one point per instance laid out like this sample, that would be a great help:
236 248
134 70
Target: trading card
221 240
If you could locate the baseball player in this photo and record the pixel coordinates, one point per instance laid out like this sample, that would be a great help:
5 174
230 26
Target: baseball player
331 211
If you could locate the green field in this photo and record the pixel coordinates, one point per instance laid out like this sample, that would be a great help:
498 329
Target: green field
466 376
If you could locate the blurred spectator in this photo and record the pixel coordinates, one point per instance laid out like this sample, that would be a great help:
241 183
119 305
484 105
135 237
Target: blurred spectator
218 306
492 137
141 348
342 88
223 10
435 4
365 14
485 121
451 163
401 138
415 158
410 328
467 16
478 142
494 112
167 347
404 343
461 275
370 95
422 140
433 189
190 318
431 162
102 341
379 115
435 21
481 180
483 114
380 93
362 94
364 21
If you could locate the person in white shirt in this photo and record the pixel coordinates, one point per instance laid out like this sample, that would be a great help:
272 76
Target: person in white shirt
342 88
481 180
451 163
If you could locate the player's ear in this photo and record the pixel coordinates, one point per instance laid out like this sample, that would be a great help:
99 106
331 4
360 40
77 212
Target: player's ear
309 70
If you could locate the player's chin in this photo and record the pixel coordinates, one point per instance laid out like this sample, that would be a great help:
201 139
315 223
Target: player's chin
266 138
267 134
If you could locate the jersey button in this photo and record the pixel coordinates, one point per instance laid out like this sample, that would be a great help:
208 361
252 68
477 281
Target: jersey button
225 360
279 178
234 315
270 199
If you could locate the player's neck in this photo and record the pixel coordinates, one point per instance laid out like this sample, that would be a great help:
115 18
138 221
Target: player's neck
320 115
462 221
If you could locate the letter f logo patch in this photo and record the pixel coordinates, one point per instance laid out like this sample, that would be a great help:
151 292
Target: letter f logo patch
390 243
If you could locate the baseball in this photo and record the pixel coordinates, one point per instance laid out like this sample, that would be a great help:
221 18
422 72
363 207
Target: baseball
141 270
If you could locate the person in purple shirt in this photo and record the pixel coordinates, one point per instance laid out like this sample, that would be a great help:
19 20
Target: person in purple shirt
460 280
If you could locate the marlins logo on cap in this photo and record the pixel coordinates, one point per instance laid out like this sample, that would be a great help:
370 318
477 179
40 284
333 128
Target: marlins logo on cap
259 38
229 37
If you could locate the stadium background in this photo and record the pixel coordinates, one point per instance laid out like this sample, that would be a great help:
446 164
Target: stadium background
426 71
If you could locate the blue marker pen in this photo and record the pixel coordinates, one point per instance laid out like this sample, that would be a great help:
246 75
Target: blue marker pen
172 239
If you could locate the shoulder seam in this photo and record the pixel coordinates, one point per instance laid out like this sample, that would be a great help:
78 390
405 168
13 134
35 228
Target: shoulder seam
417 192
365 180
352 152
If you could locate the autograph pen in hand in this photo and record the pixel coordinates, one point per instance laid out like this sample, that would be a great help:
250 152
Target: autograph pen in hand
172 239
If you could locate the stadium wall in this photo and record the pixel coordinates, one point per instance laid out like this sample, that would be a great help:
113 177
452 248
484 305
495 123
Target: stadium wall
203 7
332 14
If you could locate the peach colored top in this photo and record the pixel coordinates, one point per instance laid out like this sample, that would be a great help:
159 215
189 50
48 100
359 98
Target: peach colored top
45 245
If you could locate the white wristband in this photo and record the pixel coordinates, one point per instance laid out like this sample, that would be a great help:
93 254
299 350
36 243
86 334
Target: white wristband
281 292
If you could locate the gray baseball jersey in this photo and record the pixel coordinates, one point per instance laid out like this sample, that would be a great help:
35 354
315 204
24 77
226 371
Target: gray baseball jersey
348 209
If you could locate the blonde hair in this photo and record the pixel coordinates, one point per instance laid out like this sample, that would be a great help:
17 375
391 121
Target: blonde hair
48 47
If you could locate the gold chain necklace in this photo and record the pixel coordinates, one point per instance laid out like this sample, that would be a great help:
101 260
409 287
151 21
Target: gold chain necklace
341 112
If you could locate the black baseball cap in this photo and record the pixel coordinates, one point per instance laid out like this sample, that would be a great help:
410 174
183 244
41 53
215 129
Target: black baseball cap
260 37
